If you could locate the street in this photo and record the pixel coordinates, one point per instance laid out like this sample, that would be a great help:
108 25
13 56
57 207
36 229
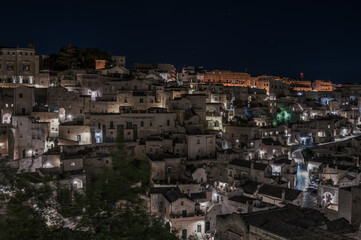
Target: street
303 180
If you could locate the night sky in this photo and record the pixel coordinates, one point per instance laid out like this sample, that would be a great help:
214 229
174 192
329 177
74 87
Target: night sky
320 38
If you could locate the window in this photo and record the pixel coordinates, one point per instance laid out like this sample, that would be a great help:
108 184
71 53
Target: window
26 67
141 100
10 67
78 138
20 95
184 213
168 122
141 123
150 124
198 141
207 226
169 169
81 111
182 203
125 100
111 124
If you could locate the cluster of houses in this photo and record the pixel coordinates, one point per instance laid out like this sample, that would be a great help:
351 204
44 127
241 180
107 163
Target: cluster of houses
222 146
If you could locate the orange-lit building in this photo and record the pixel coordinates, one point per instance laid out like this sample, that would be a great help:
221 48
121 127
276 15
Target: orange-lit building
322 86
228 78
99 64
302 85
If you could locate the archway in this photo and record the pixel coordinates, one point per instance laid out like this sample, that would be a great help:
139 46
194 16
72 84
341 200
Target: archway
77 183
62 115
7 118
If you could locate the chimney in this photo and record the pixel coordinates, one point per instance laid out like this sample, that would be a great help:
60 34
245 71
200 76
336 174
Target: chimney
197 207
283 195
250 206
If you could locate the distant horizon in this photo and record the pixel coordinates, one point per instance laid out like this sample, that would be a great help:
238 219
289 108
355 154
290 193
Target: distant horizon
178 68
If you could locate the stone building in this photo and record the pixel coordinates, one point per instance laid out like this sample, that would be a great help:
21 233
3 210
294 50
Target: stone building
28 137
201 146
289 222
179 209
18 65
130 125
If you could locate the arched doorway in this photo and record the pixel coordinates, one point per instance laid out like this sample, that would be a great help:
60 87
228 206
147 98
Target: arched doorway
77 183
7 118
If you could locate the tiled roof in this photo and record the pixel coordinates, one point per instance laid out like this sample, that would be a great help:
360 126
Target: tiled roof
250 187
240 199
247 164
276 191
170 193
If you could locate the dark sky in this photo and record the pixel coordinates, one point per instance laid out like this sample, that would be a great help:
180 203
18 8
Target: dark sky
320 38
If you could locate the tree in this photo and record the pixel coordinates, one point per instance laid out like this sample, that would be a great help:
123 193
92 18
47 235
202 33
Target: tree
111 208
113 203
67 57
70 57
87 57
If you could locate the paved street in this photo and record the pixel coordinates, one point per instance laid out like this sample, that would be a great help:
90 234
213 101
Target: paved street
303 180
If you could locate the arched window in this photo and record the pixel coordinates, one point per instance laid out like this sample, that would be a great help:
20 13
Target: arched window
77 183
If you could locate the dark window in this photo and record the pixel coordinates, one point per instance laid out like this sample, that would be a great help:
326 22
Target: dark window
168 122
20 95
142 124
10 67
111 124
141 100
207 226
26 67
184 213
